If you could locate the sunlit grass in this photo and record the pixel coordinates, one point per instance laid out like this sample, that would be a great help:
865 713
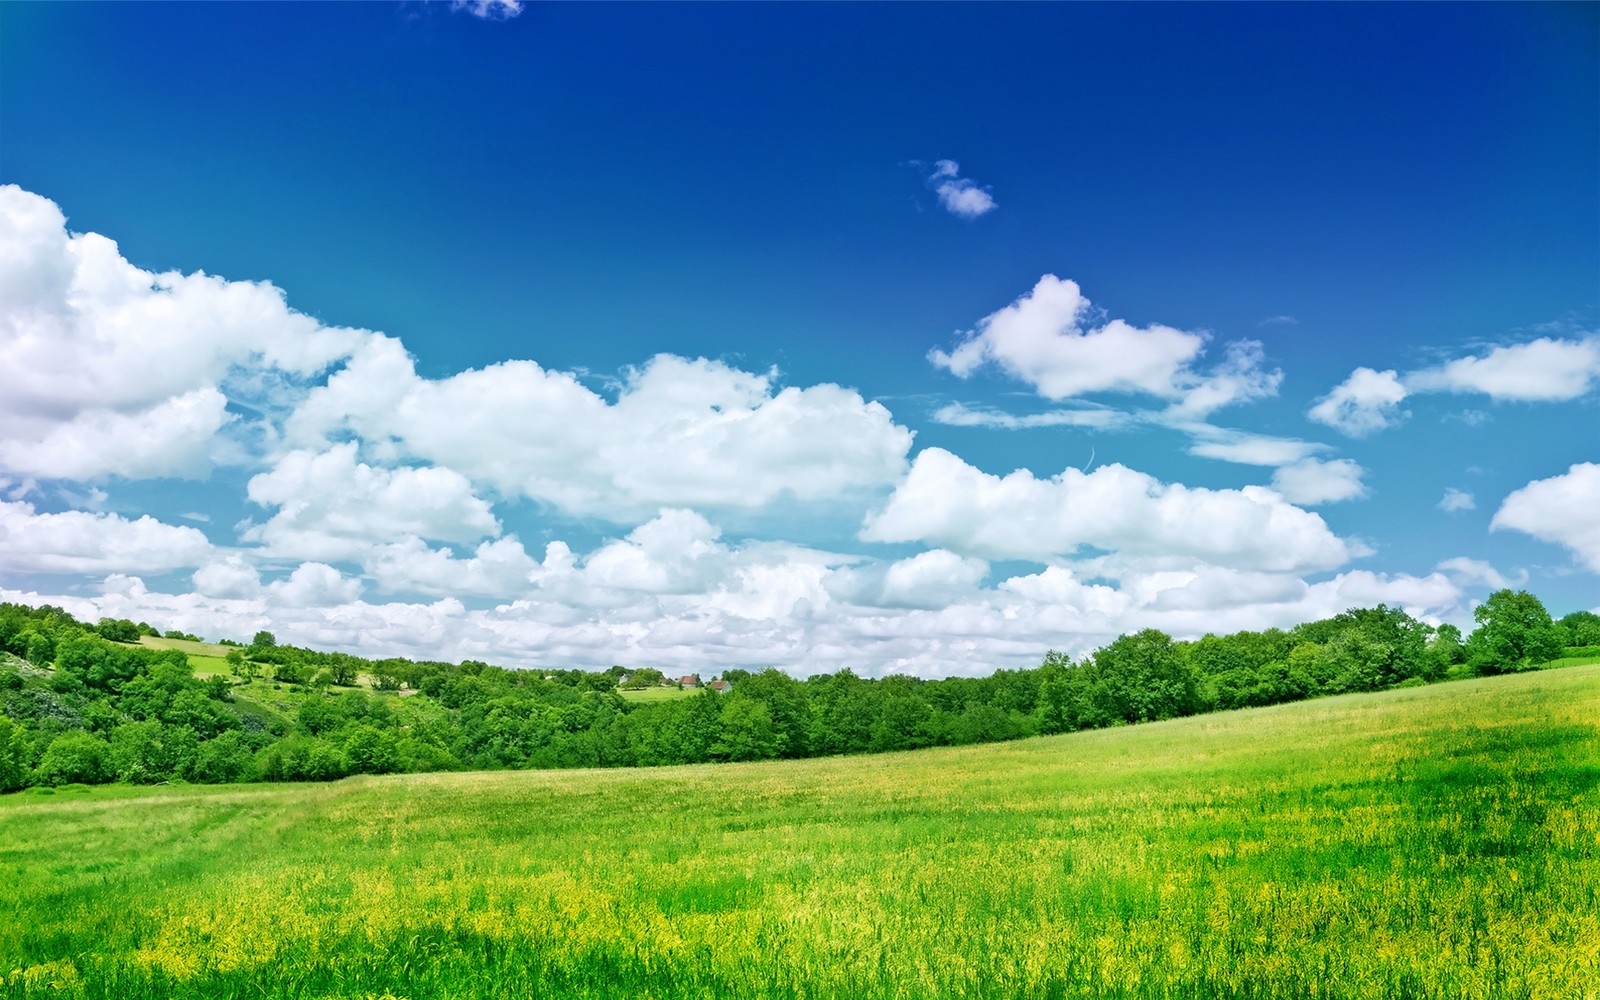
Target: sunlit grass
1432 842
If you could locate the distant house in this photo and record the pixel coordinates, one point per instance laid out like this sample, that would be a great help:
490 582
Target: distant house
720 686
624 679
689 681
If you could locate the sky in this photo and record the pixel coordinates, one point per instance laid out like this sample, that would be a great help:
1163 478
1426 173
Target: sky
900 338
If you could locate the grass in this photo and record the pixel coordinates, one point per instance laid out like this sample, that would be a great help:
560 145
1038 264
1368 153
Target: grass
657 693
207 658
1434 842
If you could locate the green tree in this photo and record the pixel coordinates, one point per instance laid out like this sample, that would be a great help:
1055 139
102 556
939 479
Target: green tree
1581 628
76 757
747 731
263 640
1514 632
13 756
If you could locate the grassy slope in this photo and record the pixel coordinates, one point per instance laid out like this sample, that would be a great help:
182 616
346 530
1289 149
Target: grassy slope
1432 842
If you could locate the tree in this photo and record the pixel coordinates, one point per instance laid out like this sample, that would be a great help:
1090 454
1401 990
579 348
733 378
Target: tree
1514 632
1582 628
263 640
76 757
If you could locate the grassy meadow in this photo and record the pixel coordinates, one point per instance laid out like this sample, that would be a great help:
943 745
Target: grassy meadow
1438 841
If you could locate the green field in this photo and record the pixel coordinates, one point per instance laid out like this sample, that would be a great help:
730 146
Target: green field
1440 841
657 693
205 658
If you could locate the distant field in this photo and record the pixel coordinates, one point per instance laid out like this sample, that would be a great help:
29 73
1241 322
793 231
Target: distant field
207 658
1436 842
658 693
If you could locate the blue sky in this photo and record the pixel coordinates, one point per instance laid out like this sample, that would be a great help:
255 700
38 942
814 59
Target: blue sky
909 338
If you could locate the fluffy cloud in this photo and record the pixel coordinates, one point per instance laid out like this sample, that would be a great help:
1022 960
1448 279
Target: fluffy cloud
1363 404
680 432
959 195
230 576
1048 338
500 568
333 507
1563 509
114 370
1312 481
1045 339
1544 370
1454 501
944 501
931 579
80 542
314 585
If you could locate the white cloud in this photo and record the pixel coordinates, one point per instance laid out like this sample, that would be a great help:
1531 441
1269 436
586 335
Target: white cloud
1363 404
1246 448
500 568
1239 378
959 195
944 501
332 507
1312 481
230 576
961 415
489 10
1563 509
680 433
1543 370
1044 339
1048 339
80 542
1454 501
314 585
114 370
931 579
1475 572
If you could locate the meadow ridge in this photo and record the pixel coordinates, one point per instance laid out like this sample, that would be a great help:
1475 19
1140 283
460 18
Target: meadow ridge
1438 841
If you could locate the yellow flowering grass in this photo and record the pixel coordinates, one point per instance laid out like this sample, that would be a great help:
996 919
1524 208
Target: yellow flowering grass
1432 842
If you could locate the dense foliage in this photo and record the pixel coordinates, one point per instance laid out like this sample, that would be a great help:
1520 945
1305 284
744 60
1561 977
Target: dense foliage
87 704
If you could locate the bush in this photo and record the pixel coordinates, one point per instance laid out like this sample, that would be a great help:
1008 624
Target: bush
75 758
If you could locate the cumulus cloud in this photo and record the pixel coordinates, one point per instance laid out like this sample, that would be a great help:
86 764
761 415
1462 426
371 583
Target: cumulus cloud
1051 339
1563 509
946 502
1475 572
1312 481
333 507
80 542
1544 370
114 370
680 432
230 576
1454 501
960 196
1363 404
313 585
500 568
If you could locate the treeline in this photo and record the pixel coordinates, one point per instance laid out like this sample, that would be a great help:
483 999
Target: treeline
78 704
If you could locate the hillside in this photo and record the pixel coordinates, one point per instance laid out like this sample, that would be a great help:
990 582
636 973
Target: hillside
1438 841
